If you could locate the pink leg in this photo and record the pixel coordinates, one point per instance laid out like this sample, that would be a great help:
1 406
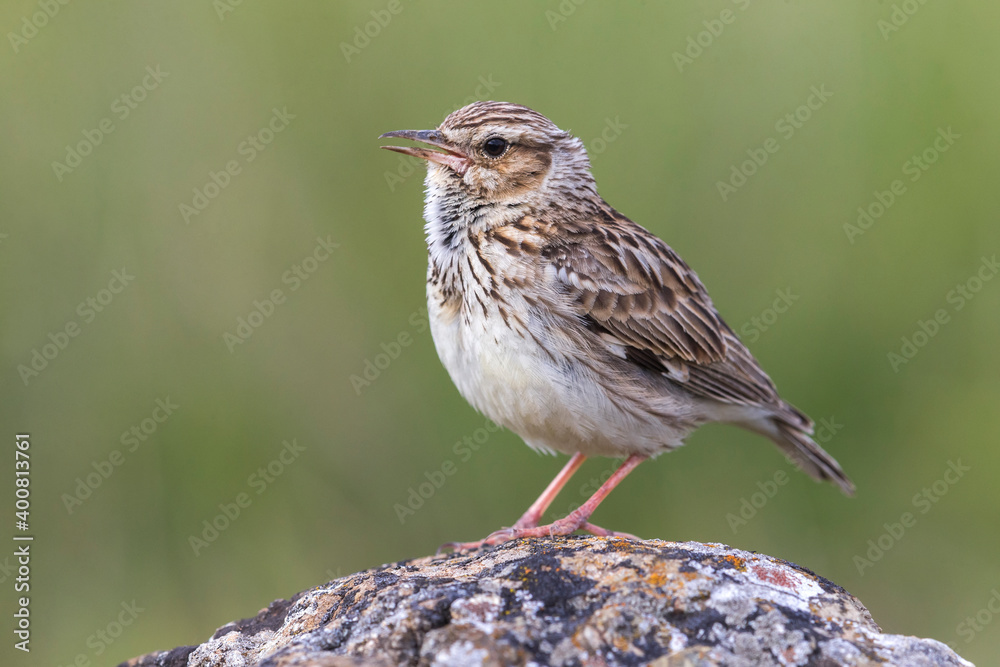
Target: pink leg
578 517
530 518
576 520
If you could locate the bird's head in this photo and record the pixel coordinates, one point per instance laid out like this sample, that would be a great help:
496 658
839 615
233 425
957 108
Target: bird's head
501 153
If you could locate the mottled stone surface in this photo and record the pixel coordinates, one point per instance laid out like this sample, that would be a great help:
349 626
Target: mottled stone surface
567 601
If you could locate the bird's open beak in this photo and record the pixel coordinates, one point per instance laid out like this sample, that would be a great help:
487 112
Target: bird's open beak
450 157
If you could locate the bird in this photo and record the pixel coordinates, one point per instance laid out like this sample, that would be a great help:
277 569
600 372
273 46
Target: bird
569 324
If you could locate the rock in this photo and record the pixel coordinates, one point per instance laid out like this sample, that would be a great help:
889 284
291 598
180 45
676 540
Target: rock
567 601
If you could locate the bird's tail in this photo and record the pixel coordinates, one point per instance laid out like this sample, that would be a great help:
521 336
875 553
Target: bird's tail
806 454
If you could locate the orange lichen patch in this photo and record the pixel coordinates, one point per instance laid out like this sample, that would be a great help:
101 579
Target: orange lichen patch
659 574
657 580
324 603
824 611
774 576
618 544
736 562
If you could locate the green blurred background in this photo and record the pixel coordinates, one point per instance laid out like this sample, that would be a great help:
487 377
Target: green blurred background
662 133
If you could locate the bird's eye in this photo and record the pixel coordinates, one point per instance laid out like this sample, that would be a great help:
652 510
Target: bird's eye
495 147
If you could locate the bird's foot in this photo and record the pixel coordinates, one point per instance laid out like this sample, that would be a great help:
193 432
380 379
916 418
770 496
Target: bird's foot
494 538
604 532
564 526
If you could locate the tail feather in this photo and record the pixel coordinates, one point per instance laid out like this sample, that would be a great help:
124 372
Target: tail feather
809 456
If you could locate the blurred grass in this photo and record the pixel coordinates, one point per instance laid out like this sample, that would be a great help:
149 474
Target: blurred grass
331 511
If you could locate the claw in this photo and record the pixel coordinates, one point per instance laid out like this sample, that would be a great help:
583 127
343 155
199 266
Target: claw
604 532
493 539
452 546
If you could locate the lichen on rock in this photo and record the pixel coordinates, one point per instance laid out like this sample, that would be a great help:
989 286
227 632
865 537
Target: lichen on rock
567 601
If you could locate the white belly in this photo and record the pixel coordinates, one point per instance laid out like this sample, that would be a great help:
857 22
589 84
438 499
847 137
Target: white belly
554 404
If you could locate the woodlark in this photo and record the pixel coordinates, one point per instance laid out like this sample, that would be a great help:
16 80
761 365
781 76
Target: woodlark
564 321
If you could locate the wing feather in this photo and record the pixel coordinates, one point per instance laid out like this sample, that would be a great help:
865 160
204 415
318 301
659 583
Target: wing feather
635 291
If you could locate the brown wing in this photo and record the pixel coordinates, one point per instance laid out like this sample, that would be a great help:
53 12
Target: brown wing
635 291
